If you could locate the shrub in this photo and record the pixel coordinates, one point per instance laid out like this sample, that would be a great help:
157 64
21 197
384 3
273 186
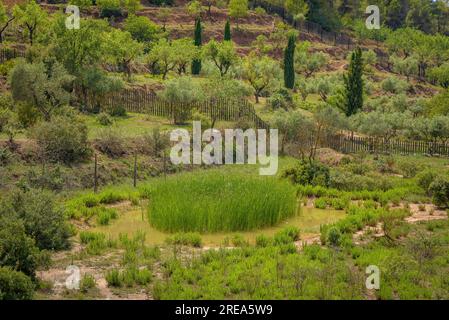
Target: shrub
15 285
27 115
155 142
308 173
111 143
280 99
113 278
408 168
5 156
320 203
17 250
106 215
42 218
239 241
104 119
439 189
117 111
339 203
394 85
260 11
243 123
62 139
109 8
286 235
96 242
205 120
262 241
425 179
190 238
333 236
110 197
5 116
128 277
87 283
87 237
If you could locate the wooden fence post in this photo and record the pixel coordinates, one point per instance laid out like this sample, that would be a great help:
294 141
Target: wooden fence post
135 171
95 175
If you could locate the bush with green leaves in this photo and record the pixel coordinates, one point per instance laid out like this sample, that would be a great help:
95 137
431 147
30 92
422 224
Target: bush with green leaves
5 156
129 277
105 215
333 236
308 173
62 139
408 168
104 119
15 285
394 85
17 249
42 218
439 188
155 142
111 143
5 116
142 29
87 283
263 241
425 179
281 98
187 239
109 8
117 111
182 93
206 121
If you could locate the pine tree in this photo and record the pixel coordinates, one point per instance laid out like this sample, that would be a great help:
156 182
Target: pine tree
196 63
354 84
289 68
227 31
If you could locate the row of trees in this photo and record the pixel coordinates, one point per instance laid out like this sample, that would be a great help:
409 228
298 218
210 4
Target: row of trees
306 132
414 53
430 16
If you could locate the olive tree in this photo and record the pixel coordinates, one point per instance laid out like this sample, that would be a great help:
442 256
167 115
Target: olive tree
5 19
223 55
43 86
123 49
262 73
30 16
307 63
238 9
162 56
181 93
184 52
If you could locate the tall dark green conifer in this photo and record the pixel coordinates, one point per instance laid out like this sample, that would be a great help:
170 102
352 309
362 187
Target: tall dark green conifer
354 84
289 68
196 63
227 31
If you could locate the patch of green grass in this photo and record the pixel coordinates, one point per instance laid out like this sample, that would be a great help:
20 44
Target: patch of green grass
211 202
187 239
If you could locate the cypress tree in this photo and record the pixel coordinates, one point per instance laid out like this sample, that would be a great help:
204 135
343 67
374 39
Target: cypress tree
354 83
196 63
227 31
289 68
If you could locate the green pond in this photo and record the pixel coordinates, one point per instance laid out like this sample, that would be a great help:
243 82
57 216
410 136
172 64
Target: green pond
308 221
